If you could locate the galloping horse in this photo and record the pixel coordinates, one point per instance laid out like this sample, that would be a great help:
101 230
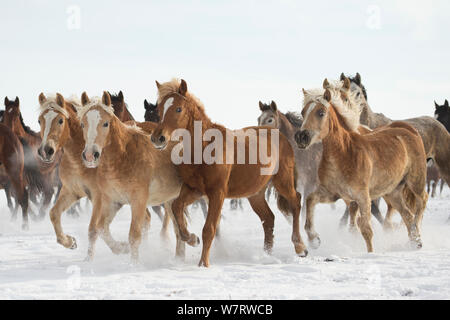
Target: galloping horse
12 166
442 114
129 170
222 175
388 162
61 130
43 176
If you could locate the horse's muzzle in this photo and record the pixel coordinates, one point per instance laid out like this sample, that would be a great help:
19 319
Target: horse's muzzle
46 153
159 141
303 139
91 157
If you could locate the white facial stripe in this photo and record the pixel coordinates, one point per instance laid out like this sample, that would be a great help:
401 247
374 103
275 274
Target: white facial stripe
436 116
93 118
167 105
10 110
311 107
48 119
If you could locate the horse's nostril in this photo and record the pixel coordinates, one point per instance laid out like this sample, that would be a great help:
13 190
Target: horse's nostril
83 155
162 139
96 155
50 151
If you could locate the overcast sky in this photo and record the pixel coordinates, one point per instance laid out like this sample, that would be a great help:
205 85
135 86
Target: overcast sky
231 53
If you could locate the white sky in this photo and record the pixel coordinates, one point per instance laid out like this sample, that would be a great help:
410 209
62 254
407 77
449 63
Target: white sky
231 53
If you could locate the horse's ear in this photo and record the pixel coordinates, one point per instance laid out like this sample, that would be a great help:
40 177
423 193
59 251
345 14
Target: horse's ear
436 105
347 83
358 79
446 103
59 100
120 95
273 106
17 101
261 106
305 93
183 88
106 98
327 95
42 98
342 76
158 85
84 98
326 84
146 105
6 101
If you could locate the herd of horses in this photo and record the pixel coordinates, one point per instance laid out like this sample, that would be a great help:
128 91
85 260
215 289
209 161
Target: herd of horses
337 148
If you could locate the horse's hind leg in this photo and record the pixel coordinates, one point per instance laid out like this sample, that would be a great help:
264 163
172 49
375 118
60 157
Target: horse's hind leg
180 250
344 219
375 210
157 210
261 208
388 225
65 199
353 212
433 188
48 194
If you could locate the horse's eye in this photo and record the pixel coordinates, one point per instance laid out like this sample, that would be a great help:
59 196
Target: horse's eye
178 109
61 121
270 121
105 125
39 121
321 113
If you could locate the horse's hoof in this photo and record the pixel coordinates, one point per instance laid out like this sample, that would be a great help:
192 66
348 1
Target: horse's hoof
303 254
193 241
88 258
315 243
416 244
204 264
69 243
121 248
25 227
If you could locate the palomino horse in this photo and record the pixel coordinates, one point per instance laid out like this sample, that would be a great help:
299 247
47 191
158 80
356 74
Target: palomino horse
389 162
436 139
129 170
307 161
222 175
61 130
43 177
12 166
442 114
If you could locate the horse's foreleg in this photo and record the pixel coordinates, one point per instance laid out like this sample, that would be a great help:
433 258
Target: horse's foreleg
186 197
157 210
313 236
65 199
138 213
48 194
353 212
364 221
387 224
101 208
215 203
344 219
117 247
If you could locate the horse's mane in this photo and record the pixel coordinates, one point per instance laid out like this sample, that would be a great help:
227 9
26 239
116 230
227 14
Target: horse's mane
27 128
294 118
94 102
50 103
350 110
173 86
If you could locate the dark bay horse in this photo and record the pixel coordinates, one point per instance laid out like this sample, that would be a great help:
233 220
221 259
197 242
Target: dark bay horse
43 177
12 166
442 114
222 175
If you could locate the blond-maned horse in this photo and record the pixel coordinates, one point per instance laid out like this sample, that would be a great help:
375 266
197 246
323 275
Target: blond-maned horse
129 169
388 162
225 177
61 130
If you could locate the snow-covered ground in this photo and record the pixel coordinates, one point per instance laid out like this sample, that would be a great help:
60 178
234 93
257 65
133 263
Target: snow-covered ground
34 266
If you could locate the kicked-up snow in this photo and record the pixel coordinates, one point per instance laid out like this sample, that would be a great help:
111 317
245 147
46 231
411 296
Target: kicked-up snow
34 266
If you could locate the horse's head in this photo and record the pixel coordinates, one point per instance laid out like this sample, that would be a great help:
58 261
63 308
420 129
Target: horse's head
174 113
95 116
53 121
442 112
118 103
356 86
269 116
12 109
316 112
151 112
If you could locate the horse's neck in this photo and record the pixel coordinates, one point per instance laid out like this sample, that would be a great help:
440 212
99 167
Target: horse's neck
371 119
285 126
17 127
338 142
128 116
120 135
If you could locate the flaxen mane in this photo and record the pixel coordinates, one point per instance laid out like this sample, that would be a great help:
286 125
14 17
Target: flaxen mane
173 86
94 102
50 103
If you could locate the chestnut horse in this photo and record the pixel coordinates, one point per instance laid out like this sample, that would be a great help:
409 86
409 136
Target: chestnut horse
61 131
12 166
43 176
225 176
129 170
388 162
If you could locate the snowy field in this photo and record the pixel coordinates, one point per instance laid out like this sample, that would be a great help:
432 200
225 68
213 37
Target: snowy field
34 266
